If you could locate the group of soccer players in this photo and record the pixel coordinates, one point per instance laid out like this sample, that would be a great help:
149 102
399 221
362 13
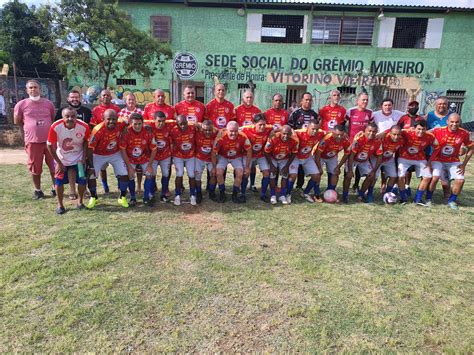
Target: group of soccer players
194 137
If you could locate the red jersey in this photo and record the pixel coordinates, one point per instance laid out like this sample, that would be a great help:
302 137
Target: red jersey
194 111
365 148
162 140
244 115
138 145
204 145
358 121
183 142
277 118
280 150
151 108
329 147
104 141
98 113
220 113
257 139
332 116
307 142
69 142
232 148
449 144
389 147
406 122
125 113
414 148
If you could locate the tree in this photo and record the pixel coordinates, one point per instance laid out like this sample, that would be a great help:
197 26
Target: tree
20 27
97 36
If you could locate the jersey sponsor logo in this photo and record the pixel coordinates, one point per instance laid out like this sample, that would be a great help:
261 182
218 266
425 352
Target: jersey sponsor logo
280 156
305 150
192 118
332 124
362 156
206 150
276 126
412 150
67 145
161 144
221 121
232 153
247 122
257 147
111 145
136 152
186 146
79 135
387 154
447 150
331 153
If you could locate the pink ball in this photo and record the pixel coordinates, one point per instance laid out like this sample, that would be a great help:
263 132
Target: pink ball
330 196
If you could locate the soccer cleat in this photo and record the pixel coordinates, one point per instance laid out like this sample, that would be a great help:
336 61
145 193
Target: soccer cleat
288 198
253 188
242 199
308 198
273 200
345 200
212 195
403 203
453 205
133 202
177 200
420 203
198 197
222 197
92 202
122 201
38 195
283 200
148 203
53 192
429 203
265 199
235 198
80 206
193 200
60 210
165 199
318 199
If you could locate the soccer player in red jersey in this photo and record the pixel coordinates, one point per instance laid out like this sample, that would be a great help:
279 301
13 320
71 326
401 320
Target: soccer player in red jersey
280 151
277 116
229 148
205 138
105 100
138 147
258 134
326 153
219 110
308 138
413 154
246 112
131 107
333 114
183 143
67 143
158 104
359 116
446 157
104 148
190 107
365 148
411 117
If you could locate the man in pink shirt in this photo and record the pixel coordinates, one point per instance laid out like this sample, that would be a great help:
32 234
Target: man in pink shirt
36 114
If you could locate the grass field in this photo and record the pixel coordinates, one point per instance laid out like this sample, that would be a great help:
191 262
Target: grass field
234 277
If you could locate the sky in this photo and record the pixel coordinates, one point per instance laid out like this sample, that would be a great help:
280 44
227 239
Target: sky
29 2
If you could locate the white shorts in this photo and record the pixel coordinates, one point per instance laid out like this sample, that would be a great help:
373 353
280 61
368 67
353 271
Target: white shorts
100 162
164 166
199 166
308 164
223 162
365 167
280 164
441 170
144 167
331 164
180 164
261 162
389 167
420 167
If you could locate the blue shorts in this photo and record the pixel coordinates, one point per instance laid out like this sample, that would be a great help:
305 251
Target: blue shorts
65 180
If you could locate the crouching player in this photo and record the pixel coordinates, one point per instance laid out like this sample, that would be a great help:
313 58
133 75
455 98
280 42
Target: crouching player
104 149
205 138
229 149
67 143
412 153
138 148
280 151
364 150
258 135
326 153
446 157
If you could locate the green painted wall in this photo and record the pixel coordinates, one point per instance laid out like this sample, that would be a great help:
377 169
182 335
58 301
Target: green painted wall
221 31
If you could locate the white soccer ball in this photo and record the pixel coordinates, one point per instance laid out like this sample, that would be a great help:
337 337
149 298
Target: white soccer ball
390 198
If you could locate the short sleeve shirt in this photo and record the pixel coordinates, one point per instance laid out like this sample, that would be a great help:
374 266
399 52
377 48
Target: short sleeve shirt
37 117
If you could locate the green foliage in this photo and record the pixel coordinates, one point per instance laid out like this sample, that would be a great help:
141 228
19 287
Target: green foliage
20 32
99 37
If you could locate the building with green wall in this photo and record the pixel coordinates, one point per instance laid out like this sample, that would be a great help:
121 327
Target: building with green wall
388 49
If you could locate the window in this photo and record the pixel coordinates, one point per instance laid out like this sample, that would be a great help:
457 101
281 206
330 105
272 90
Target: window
127 82
456 100
410 33
342 30
400 99
161 27
282 29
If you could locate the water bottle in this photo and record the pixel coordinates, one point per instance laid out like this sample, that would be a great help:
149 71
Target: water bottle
80 168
